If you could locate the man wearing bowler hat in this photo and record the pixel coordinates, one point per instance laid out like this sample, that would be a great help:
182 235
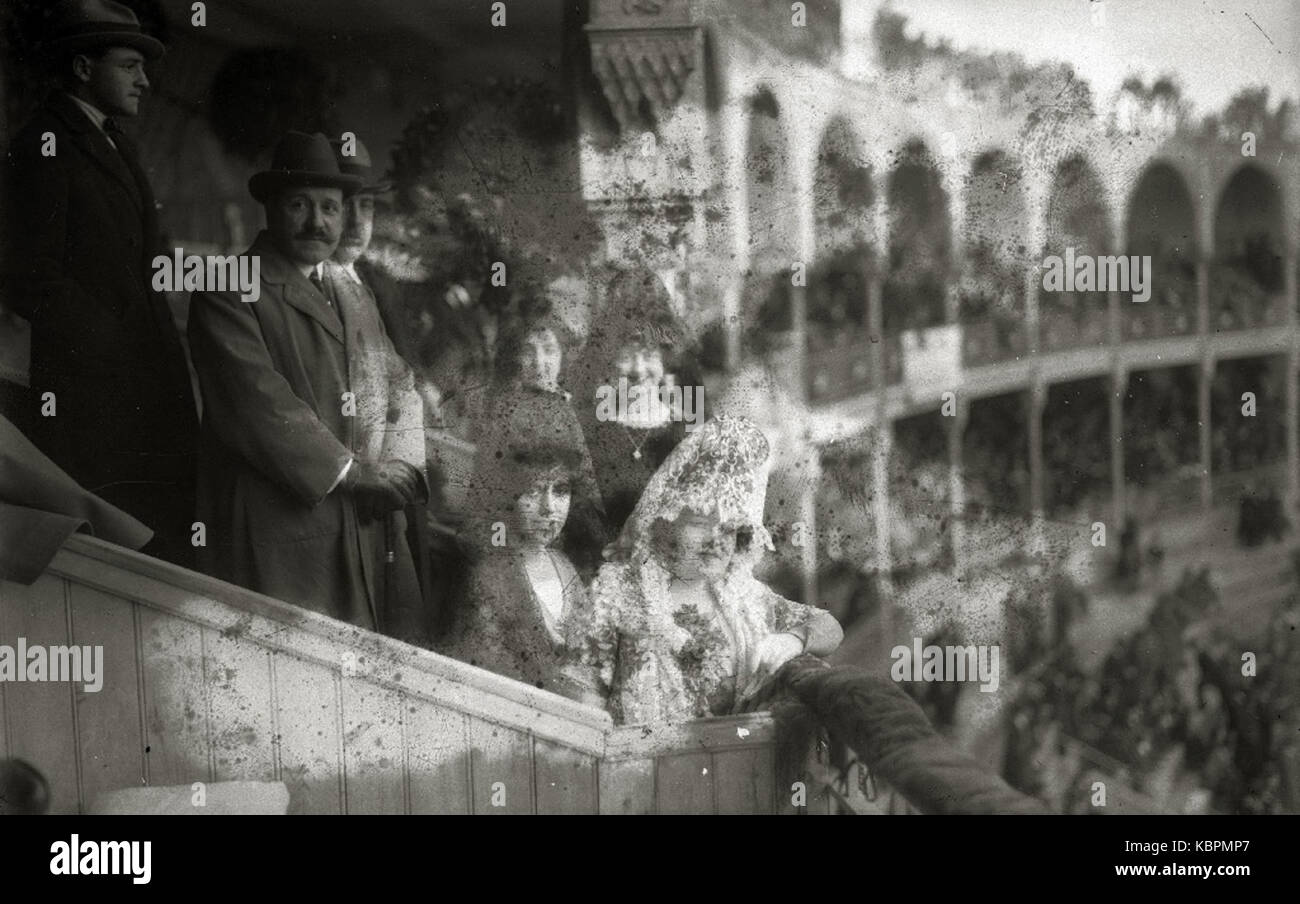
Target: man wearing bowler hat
289 496
109 381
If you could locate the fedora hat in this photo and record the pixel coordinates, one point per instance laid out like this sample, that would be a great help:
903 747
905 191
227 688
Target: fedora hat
358 164
302 160
78 25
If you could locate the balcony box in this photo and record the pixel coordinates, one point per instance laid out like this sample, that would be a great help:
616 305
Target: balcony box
932 357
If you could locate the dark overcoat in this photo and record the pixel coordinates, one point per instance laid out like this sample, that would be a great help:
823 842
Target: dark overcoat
80 236
277 431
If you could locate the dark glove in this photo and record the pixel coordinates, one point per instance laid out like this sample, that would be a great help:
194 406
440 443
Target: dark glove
377 489
410 480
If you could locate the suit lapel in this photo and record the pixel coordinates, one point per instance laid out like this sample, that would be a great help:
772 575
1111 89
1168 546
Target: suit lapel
131 157
296 290
337 283
95 145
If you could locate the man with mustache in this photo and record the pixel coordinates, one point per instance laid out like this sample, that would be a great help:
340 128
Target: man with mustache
112 403
290 497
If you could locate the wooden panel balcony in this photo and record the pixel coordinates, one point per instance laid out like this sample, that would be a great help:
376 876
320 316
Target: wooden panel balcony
988 341
204 681
1086 326
1151 320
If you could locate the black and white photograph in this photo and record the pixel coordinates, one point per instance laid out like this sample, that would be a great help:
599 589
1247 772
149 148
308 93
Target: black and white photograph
738 407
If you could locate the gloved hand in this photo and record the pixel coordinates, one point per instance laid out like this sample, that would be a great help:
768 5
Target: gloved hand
408 480
378 489
768 655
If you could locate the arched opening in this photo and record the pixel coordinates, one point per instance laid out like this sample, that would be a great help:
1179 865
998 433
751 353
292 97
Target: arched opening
921 538
920 244
1248 427
1161 223
848 568
839 349
1077 224
991 292
1246 280
995 459
1076 449
772 229
1162 439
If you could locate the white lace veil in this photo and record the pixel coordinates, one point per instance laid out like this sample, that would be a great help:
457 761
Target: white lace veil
719 469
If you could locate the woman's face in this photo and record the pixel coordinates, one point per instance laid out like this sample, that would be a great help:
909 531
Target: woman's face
539 360
640 363
696 547
542 508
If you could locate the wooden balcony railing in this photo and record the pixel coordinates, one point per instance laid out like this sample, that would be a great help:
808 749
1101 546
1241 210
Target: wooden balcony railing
1157 321
1227 489
841 366
990 341
204 681
1251 314
1085 327
1178 492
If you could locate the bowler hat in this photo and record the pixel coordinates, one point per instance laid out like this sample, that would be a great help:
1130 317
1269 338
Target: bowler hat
79 25
302 160
358 164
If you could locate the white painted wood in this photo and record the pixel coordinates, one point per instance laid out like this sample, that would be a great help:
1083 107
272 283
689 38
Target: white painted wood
109 724
373 753
308 726
221 684
718 733
178 749
237 676
233 612
42 724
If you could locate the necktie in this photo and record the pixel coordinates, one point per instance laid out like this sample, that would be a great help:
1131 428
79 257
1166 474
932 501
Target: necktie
320 286
113 131
122 144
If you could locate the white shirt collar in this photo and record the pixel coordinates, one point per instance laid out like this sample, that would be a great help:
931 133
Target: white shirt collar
96 115
318 269
351 270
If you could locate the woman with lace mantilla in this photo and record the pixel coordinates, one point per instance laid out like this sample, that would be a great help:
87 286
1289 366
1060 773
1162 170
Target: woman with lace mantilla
680 628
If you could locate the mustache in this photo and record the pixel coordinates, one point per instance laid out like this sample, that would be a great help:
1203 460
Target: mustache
313 235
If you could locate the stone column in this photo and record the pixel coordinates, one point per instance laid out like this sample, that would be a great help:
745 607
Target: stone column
1292 395
1118 386
876 276
1203 415
1037 507
1114 299
953 177
803 174
733 123
808 515
1036 197
957 484
1292 430
1202 295
881 453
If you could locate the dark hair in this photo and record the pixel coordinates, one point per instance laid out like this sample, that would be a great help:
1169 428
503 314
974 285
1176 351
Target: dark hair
545 456
500 480
661 527
635 310
515 332
638 310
